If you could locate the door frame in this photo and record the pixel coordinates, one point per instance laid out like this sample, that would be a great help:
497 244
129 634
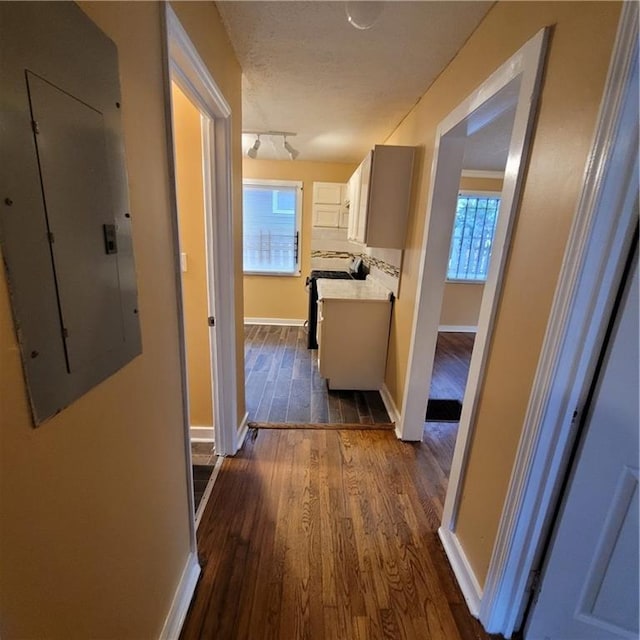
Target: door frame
498 93
186 68
596 252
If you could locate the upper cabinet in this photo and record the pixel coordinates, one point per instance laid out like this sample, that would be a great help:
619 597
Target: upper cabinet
330 204
380 190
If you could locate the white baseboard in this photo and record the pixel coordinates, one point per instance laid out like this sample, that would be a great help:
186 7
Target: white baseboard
181 599
201 434
278 322
469 585
389 404
457 328
241 434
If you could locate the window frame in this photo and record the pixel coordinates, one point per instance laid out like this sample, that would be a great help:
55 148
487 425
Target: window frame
480 193
298 186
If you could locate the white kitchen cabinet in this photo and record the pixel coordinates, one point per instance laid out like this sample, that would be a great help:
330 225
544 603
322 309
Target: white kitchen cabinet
330 204
353 333
326 215
327 192
353 189
382 183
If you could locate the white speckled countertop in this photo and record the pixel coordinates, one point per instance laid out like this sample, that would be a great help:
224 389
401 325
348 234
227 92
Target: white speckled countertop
351 290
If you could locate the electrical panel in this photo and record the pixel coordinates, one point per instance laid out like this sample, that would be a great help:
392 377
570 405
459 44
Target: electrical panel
65 224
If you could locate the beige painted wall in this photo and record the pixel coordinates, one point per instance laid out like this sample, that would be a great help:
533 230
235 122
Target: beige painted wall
286 296
461 304
578 58
93 504
187 133
461 300
204 25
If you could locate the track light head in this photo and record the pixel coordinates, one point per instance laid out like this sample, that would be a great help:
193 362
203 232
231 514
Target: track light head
293 153
253 151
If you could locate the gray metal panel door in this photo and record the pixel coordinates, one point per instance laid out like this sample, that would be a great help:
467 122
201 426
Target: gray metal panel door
70 137
590 584
65 176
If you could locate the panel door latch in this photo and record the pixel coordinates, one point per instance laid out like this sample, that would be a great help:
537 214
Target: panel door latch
211 321
110 243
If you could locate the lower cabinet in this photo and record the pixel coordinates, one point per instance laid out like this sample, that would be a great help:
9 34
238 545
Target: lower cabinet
352 342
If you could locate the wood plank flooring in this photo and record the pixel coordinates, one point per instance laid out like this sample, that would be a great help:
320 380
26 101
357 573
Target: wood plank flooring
314 534
449 379
283 383
451 365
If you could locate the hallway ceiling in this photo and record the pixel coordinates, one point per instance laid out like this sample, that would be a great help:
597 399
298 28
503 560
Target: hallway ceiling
307 70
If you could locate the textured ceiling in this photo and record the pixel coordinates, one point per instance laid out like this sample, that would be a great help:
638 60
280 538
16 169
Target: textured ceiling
307 70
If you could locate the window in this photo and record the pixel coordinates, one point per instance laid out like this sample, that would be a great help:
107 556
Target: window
473 230
271 233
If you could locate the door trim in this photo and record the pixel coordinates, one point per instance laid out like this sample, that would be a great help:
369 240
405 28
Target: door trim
596 252
496 94
181 62
186 68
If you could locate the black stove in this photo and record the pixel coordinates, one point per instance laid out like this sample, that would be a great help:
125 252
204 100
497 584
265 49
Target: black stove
312 287
330 275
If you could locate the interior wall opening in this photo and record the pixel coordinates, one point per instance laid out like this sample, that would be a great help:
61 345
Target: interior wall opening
189 124
471 242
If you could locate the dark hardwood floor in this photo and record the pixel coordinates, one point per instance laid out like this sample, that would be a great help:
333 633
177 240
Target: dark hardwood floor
451 365
314 534
320 534
283 383
449 379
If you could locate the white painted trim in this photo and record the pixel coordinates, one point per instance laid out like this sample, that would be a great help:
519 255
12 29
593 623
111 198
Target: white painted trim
208 489
457 328
241 433
201 434
462 570
596 251
191 69
192 75
166 62
389 404
276 322
484 105
181 599
490 175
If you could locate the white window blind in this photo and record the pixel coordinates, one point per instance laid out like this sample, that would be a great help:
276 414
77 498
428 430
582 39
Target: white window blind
472 238
271 227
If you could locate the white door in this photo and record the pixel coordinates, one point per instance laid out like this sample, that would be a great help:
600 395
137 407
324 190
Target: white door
590 581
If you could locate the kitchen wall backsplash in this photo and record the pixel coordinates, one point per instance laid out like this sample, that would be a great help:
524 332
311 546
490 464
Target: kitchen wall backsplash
388 275
331 249
384 266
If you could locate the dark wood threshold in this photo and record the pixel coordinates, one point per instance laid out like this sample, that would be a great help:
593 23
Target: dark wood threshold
323 425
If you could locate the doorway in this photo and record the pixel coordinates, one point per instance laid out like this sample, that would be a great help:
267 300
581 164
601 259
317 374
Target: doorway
470 247
513 88
189 124
185 70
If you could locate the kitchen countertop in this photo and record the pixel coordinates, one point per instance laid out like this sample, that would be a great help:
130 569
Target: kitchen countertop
351 290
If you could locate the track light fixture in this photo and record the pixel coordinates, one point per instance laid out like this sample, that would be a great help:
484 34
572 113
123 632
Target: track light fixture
293 153
252 152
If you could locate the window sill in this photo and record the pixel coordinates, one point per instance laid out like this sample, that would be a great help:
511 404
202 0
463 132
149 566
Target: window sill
448 281
286 274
